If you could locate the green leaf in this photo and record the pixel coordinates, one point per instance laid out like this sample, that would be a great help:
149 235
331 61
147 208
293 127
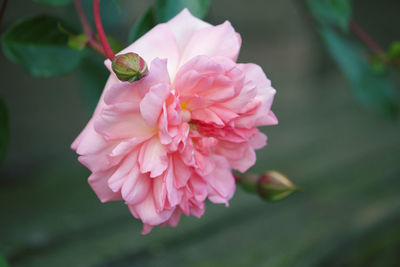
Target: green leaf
92 76
331 12
40 47
78 42
117 5
4 132
54 2
394 50
167 9
115 45
371 88
143 25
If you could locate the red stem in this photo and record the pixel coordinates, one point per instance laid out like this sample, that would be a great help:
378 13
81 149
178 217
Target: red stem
93 43
3 10
365 37
100 30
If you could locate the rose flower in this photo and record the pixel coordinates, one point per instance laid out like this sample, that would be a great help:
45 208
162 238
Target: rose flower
167 142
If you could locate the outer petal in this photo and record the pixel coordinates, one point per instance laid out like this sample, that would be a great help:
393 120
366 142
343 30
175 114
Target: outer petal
89 141
221 40
265 95
184 25
221 179
146 211
113 124
98 182
159 42
136 187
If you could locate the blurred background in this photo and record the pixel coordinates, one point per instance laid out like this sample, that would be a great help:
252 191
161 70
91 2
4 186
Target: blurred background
345 156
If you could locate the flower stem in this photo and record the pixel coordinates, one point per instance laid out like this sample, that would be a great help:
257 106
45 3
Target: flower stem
365 37
3 9
103 38
92 42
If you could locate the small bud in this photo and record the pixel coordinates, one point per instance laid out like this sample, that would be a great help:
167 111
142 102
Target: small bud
129 67
274 186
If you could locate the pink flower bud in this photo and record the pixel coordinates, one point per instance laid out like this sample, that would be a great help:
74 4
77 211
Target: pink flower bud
129 67
274 186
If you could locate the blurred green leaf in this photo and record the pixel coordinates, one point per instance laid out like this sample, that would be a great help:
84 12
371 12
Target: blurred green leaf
40 47
143 25
371 88
115 45
163 11
331 12
78 42
92 76
3 262
394 50
75 41
54 2
4 131
118 5
167 9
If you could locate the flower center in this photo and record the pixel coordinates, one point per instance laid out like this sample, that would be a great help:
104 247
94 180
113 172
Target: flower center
185 113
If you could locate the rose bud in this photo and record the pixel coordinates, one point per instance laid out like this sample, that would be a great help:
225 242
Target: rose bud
129 67
274 186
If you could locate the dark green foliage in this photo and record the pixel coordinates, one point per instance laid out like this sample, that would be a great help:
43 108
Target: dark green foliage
54 2
167 9
163 11
143 25
331 12
371 88
92 76
40 47
4 132
365 70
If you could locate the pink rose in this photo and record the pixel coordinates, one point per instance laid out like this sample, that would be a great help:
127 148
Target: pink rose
167 142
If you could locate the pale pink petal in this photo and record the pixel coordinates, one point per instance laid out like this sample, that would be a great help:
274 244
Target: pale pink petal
112 124
182 172
136 187
207 116
153 157
118 178
221 179
174 196
184 25
199 188
147 212
146 229
98 181
159 192
152 103
98 161
221 40
159 42
174 220
258 141
248 160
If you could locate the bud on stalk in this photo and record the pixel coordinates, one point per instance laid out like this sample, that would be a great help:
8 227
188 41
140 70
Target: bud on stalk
271 186
274 186
129 67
